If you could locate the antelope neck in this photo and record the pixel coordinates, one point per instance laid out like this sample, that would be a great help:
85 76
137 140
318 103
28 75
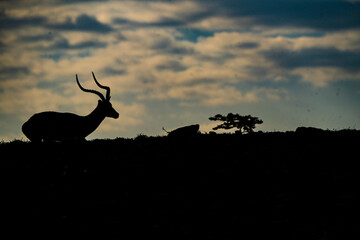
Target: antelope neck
95 118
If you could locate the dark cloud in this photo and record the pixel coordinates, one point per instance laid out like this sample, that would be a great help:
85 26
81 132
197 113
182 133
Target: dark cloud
120 20
164 22
64 44
58 49
247 45
192 34
168 22
257 72
171 65
166 45
2 47
321 15
36 38
82 23
315 57
110 71
79 1
317 14
202 81
11 72
220 58
181 19
54 56
7 22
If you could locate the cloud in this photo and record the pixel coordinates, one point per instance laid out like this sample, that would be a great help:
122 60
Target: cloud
171 65
79 1
332 15
28 101
319 15
162 14
10 23
36 38
169 46
225 95
63 44
180 19
8 72
314 58
187 56
324 76
129 115
214 94
247 45
82 22
110 71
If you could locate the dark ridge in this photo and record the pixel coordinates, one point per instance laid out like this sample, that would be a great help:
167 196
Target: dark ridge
293 185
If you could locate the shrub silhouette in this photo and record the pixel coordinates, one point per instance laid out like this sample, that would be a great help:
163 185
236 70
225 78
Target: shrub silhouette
243 123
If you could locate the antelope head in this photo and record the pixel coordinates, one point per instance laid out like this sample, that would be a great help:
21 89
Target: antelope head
104 104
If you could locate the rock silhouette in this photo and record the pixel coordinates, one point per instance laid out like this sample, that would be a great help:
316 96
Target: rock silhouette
185 131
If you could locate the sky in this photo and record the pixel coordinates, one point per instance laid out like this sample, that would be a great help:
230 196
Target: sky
174 63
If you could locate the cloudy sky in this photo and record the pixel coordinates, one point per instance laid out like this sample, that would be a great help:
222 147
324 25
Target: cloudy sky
173 63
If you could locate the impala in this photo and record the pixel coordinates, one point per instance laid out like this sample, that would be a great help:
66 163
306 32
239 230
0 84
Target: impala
55 126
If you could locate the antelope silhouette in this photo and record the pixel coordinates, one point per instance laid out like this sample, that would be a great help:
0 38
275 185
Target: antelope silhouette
60 127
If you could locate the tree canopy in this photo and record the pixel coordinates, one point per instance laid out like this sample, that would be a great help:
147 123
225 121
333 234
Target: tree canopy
243 123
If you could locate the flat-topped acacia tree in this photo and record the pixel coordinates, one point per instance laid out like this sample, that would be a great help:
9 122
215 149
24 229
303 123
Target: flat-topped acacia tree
243 123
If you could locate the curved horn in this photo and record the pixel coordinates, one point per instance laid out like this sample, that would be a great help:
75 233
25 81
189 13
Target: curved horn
103 87
90 91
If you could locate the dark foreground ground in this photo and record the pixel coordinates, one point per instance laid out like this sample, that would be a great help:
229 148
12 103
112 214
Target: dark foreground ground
301 185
